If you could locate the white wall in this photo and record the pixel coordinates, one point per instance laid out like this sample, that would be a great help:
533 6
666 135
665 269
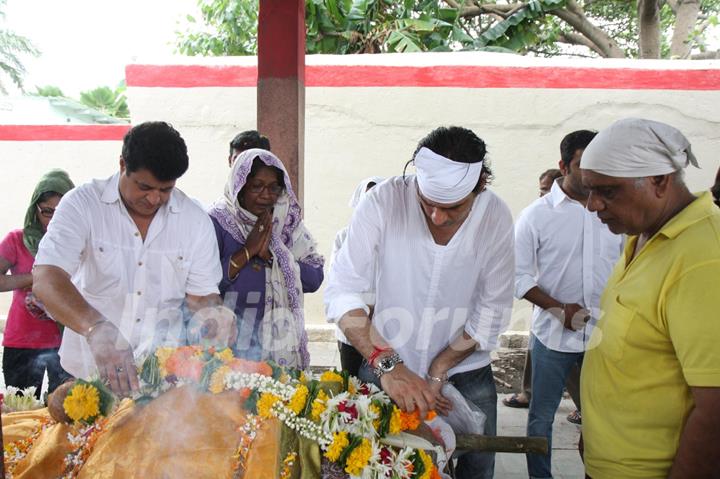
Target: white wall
359 131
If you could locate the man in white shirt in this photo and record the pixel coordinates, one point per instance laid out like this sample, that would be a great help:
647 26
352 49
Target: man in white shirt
443 248
122 255
564 255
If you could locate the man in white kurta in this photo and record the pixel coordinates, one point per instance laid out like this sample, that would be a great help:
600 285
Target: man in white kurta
443 246
564 256
120 257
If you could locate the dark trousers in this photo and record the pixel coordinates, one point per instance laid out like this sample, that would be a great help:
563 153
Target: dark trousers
23 368
350 358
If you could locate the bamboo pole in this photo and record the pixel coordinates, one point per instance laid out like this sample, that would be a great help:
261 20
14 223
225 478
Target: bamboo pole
513 444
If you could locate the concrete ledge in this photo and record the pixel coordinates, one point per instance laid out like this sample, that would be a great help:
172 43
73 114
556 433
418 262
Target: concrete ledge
325 333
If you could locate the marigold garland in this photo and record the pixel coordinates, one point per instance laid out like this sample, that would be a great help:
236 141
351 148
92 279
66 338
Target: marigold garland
358 458
339 443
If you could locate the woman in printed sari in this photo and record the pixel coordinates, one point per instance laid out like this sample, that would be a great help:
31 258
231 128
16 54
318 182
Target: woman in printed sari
269 259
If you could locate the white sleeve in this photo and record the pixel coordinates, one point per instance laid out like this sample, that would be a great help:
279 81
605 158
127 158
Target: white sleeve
63 245
337 244
526 246
493 299
352 272
205 271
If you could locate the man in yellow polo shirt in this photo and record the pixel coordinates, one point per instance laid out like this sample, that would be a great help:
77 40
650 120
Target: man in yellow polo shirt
650 383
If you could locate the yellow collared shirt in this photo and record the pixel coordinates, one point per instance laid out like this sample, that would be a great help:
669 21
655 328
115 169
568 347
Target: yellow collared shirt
659 334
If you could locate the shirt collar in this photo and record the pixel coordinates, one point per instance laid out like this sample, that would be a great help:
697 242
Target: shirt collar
111 194
701 208
557 195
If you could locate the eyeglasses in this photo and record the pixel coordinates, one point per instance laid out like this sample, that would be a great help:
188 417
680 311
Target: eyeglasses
274 189
46 211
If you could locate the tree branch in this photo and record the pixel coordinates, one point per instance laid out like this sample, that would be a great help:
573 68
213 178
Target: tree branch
578 39
649 28
574 16
685 19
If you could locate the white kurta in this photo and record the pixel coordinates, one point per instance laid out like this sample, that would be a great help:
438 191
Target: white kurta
568 253
138 285
426 294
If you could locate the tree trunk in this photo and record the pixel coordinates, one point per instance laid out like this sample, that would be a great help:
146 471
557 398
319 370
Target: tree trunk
686 16
649 28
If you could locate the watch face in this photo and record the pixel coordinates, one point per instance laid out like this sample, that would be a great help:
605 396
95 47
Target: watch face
386 363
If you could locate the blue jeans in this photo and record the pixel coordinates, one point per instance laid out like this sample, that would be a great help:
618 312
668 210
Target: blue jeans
549 372
478 387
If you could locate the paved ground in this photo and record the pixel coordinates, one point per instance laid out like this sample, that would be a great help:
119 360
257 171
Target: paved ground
511 422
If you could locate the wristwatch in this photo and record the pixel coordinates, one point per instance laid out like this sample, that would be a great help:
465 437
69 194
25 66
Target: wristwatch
387 364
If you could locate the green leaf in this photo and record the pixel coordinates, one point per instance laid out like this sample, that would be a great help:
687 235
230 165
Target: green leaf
402 42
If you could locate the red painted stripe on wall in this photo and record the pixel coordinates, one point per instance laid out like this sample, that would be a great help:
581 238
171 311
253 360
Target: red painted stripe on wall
188 76
63 132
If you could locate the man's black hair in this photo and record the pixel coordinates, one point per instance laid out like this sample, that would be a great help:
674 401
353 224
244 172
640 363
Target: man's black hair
247 140
577 140
157 147
458 144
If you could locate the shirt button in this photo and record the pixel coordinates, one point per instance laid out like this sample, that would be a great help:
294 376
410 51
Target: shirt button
101 250
139 263
137 233
180 258
137 320
139 293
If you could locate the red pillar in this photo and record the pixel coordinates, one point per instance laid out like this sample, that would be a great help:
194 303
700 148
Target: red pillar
281 82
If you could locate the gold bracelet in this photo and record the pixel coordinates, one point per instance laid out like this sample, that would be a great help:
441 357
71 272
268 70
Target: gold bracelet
234 264
92 328
247 254
247 259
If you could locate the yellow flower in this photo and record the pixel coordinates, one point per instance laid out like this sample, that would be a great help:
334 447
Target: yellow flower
375 411
331 376
427 462
358 458
339 443
297 401
265 404
351 387
303 378
82 403
217 380
395 421
319 405
162 355
226 355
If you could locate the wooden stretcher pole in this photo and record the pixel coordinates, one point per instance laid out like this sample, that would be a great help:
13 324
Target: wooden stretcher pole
512 444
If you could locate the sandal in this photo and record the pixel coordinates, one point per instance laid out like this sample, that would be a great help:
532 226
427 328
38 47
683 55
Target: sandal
513 401
575 417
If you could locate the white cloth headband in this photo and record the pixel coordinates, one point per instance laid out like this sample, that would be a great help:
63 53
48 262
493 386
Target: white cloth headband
443 180
635 148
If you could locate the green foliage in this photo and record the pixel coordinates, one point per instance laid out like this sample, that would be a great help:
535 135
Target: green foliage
109 101
48 90
229 27
12 48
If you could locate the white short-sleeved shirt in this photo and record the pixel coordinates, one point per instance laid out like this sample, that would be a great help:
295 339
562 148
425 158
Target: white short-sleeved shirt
138 285
566 251
426 294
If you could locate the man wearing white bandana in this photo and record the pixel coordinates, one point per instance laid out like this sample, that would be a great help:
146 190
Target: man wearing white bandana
650 382
443 248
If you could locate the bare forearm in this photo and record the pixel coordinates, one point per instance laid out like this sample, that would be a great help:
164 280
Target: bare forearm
539 298
62 300
11 282
453 355
700 440
356 326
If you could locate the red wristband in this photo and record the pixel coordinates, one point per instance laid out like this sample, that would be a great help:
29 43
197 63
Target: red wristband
377 352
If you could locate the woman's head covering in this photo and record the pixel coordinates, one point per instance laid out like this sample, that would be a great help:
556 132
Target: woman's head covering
636 148
443 180
56 181
362 189
284 339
